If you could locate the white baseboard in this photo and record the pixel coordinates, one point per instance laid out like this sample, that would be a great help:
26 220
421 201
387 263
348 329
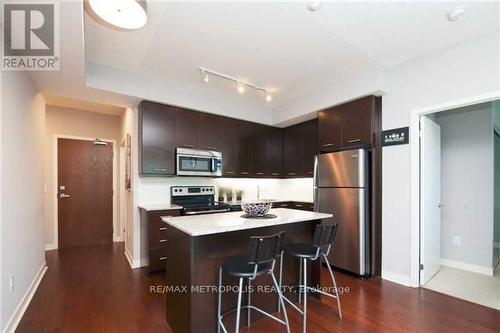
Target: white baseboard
467 267
396 278
25 301
135 263
51 246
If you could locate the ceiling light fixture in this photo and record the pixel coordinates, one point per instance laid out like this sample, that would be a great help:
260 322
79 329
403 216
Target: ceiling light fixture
240 85
454 15
123 14
314 5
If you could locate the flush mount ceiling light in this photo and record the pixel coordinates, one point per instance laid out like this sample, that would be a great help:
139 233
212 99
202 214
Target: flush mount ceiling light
240 85
122 14
454 15
313 5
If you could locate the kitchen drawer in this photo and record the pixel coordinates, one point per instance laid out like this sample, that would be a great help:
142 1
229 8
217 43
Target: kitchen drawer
157 259
157 239
302 206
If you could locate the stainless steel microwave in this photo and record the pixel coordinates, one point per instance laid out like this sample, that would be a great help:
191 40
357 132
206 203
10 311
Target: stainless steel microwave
195 162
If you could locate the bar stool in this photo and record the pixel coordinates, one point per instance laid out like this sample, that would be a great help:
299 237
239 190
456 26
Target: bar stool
264 251
324 236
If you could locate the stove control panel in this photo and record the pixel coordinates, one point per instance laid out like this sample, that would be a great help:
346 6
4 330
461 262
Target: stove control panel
182 191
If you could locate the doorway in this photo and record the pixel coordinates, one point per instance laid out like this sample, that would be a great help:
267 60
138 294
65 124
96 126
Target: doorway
458 170
84 192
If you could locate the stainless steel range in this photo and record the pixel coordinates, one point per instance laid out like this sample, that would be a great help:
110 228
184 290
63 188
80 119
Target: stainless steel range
197 200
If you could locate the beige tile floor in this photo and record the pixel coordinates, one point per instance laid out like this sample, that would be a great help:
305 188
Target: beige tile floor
473 287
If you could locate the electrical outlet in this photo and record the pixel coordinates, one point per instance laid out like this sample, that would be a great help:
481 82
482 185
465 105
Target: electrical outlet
457 241
11 283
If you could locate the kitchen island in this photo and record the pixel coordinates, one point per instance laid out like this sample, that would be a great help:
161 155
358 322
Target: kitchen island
198 245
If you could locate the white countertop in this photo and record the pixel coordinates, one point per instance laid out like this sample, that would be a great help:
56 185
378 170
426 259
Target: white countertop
225 222
151 208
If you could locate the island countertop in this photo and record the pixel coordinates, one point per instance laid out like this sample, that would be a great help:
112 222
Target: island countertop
225 222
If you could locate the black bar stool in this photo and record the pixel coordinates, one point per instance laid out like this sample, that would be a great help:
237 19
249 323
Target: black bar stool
324 235
265 250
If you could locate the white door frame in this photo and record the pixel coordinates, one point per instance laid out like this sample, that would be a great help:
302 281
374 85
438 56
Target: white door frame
55 185
415 172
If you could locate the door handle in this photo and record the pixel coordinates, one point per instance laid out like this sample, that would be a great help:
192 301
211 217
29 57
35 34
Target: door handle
64 196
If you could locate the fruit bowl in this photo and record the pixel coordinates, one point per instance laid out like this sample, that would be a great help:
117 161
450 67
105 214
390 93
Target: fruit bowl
256 208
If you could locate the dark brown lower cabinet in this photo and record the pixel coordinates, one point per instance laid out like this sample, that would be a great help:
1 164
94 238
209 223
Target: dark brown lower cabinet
309 206
157 237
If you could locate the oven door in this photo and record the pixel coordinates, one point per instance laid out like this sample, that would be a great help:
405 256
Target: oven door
197 163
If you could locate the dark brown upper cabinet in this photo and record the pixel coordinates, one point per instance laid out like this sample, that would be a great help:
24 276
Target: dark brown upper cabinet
330 128
230 146
245 141
187 125
156 139
357 121
274 152
259 151
292 151
309 134
209 134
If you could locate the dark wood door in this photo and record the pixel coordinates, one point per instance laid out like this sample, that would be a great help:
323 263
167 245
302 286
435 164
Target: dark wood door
309 134
85 193
292 151
274 166
357 121
156 139
209 134
330 128
187 125
229 146
259 151
245 137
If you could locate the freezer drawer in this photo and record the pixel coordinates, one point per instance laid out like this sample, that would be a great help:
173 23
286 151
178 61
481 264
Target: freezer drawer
351 247
341 169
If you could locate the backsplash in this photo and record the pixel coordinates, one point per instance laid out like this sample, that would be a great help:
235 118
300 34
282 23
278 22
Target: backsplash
157 190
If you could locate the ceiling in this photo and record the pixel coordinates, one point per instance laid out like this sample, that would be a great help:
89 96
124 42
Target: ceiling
280 45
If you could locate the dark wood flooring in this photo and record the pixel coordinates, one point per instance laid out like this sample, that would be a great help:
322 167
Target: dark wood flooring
93 289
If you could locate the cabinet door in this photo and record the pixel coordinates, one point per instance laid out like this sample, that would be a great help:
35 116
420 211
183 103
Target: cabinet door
357 121
210 132
330 128
156 139
309 133
292 151
246 132
259 151
186 128
229 146
274 152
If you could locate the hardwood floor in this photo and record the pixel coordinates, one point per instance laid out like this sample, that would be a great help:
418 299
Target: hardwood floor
93 289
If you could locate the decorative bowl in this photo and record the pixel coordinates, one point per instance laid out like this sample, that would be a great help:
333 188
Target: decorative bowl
256 208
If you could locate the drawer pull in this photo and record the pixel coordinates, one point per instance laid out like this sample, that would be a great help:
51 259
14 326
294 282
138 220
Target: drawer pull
291 173
328 145
245 172
188 146
163 240
211 148
260 173
229 172
275 174
163 229
163 258
284 205
354 140
160 170
297 205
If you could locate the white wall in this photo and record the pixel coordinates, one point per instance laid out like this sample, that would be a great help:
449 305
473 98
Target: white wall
496 143
22 190
467 184
64 121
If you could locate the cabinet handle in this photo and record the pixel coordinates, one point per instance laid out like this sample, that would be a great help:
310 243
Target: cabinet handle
291 173
211 148
163 258
275 174
260 173
353 141
163 229
229 172
284 205
163 240
328 145
297 205
188 146
160 170
245 172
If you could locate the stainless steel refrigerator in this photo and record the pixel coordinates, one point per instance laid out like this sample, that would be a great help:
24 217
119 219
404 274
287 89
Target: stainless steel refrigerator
341 188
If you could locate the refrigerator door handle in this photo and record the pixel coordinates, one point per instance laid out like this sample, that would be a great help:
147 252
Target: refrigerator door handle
316 200
316 171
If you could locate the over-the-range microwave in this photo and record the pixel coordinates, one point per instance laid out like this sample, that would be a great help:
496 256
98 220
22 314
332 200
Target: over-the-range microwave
197 162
